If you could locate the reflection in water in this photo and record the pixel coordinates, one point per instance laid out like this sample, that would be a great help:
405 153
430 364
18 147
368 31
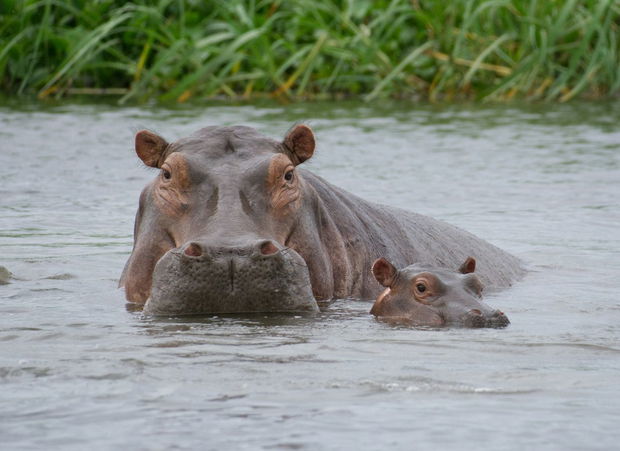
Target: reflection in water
540 181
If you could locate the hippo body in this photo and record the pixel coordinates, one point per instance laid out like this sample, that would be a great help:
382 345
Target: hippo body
353 232
425 295
231 224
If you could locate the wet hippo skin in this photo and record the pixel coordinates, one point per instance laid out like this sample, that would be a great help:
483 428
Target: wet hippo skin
232 223
423 295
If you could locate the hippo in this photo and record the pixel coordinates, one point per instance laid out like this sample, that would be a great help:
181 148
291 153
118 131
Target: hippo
423 295
5 276
232 224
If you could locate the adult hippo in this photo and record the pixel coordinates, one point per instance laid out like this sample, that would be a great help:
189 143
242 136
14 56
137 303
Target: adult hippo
231 224
423 295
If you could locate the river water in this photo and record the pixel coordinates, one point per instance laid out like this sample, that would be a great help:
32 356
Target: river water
78 370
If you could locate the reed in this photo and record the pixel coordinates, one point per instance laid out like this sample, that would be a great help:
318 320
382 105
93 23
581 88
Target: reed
176 50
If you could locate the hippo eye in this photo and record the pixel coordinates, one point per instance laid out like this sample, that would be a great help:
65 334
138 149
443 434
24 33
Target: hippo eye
421 287
289 175
166 174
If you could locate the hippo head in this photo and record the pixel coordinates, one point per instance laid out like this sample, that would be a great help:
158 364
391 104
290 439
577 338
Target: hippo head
428 296
211 231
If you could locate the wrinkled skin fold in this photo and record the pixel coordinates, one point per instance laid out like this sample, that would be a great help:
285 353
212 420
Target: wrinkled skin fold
231 223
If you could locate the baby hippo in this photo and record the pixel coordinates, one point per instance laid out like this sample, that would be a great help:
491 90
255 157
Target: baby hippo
422 295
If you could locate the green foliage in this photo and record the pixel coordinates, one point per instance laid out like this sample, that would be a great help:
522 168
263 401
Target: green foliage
175 50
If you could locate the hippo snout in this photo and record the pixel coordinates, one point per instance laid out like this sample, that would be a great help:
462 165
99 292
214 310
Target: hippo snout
498 319
201 277
476 319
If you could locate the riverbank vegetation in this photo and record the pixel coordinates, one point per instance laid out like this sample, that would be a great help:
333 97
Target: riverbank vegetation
177 50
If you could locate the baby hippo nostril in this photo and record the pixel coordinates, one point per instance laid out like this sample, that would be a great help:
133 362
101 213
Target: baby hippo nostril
193 250
475 311
268 248
499 319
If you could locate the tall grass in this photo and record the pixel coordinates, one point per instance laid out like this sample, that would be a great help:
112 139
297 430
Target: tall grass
176 50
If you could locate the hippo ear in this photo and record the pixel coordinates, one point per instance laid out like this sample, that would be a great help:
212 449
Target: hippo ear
469 266
384 272
150 147
300 142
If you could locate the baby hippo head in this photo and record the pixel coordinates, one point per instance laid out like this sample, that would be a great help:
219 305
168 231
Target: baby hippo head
423 295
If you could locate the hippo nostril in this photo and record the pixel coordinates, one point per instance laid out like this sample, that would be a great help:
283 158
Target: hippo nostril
499 319
193 250
475 311
268 248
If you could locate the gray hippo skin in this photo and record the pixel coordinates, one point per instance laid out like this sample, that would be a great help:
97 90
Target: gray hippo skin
232 224
423 295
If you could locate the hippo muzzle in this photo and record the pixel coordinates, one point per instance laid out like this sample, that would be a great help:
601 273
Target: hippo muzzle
201 279
487 317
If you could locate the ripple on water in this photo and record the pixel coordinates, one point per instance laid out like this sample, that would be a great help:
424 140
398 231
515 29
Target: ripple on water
429 385
21 372
62 276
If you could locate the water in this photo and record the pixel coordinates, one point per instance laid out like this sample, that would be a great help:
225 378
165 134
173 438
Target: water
78 370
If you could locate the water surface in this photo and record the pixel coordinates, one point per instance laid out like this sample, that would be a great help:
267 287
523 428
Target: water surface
78 370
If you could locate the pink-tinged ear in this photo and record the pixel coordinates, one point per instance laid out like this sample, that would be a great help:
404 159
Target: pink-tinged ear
384 272
300 142
469 266
150 148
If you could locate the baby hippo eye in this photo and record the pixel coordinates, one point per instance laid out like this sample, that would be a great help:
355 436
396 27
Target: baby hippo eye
288 176
166 174
421 287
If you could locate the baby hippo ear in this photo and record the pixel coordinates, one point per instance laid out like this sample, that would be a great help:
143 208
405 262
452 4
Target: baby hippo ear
300 142
469 266
384 272
150 147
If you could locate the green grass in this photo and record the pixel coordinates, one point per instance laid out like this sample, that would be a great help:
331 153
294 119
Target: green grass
176 50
